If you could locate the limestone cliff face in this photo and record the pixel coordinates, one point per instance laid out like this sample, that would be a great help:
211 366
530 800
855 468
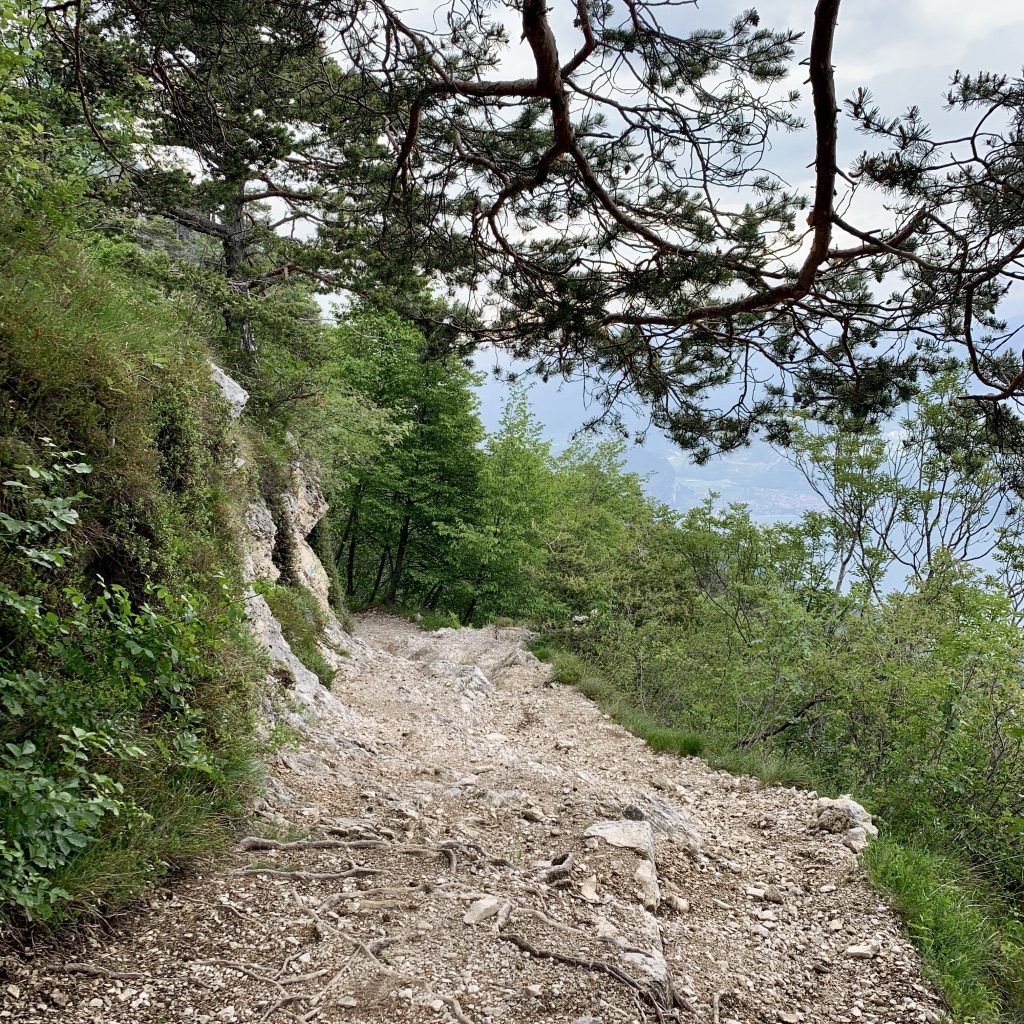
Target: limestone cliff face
303 506
300 508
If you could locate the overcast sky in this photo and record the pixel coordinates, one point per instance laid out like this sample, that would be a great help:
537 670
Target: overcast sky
904 51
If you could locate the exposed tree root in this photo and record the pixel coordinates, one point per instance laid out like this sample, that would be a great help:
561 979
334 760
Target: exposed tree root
590 965
100 972
257 843
310 876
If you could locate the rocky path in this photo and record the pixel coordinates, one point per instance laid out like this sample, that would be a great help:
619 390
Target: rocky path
458 839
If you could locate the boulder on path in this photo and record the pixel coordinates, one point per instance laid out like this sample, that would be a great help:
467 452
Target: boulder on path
637 836
844 815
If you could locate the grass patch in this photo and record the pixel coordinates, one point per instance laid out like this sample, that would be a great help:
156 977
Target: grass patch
303 624
541 649
185 817
567 668
972 943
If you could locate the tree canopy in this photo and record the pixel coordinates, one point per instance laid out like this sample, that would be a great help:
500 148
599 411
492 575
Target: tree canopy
613 213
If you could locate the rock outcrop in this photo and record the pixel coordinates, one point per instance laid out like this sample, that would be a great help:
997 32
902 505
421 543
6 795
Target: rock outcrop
301 506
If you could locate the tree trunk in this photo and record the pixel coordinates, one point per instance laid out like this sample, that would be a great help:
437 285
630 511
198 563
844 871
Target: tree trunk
380 575
350 568
396 573
351 535
467 616
236 257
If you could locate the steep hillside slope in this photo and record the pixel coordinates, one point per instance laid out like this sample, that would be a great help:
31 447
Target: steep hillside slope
456 838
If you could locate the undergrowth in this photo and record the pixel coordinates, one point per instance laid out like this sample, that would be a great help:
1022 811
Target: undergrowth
126 673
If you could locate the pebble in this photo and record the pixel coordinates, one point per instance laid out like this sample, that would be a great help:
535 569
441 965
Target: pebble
863 951
482 909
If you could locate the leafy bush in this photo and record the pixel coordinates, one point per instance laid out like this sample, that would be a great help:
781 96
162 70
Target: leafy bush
98 693
125 674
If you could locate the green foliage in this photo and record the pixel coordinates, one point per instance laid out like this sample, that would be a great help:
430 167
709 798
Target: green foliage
100 692
972 942
398 524
103 365
126 738
302 621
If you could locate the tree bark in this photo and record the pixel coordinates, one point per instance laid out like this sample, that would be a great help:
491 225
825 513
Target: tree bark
396 573
380 575
236 257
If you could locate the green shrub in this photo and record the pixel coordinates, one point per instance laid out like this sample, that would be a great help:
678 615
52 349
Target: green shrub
114 710
303 623
432 620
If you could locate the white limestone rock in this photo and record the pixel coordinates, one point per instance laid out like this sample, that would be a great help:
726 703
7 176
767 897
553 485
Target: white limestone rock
231 391
637 836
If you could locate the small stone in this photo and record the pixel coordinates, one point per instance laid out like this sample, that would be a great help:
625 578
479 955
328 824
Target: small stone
788 1017
677 903
533 814
588 889
628 835
15 993
482 909
772 894
856 839
647 879
863 951
535 990
96 1004
350 1002
835 925
58 998
633 813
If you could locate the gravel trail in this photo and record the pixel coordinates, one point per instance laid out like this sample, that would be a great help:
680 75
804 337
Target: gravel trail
458 839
